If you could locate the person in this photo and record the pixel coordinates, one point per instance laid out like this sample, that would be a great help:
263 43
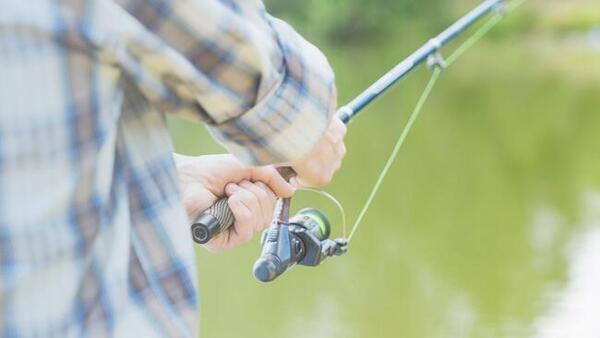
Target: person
95 209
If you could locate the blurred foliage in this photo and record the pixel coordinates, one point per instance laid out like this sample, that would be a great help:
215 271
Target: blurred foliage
354 20
362 21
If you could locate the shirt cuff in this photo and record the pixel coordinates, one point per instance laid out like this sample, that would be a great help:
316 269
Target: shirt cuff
286 122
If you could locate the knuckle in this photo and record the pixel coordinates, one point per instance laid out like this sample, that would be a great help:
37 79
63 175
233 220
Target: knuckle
255 195
248 196
241 198
266 190
253 204
257 191
262 196
260 184
233 201
261 192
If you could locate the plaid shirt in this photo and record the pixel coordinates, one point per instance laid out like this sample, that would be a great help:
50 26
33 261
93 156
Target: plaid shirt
94 240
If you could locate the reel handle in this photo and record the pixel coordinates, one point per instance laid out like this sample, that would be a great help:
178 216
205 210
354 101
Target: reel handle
218 218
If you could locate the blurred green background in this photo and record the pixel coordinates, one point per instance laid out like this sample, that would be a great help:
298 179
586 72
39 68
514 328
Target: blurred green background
468 235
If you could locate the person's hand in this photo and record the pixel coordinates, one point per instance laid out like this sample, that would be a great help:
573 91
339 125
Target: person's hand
317 169
252 192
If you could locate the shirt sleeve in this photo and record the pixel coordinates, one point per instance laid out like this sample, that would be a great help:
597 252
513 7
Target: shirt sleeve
265 92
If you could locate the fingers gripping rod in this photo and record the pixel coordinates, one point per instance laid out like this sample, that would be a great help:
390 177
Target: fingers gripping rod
218 218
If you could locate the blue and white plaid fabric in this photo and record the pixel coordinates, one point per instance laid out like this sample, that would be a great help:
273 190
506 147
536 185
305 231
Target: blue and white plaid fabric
94 240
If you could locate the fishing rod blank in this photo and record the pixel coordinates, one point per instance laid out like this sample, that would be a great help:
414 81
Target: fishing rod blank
433 46
218 218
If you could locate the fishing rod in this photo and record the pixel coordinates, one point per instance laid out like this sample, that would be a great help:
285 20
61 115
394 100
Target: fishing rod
304 238
430 52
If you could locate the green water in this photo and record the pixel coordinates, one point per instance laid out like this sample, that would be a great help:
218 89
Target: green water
467 237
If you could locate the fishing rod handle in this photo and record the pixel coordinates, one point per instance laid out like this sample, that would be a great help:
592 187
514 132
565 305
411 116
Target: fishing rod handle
218 218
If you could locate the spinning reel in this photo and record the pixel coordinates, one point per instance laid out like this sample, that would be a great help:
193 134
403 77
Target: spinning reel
302 239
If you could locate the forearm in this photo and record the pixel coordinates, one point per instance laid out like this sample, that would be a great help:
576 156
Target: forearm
266 93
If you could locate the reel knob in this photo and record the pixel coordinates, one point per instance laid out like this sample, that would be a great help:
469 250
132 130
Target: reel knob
265 269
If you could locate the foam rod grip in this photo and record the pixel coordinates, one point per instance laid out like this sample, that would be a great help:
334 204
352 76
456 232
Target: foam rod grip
217 219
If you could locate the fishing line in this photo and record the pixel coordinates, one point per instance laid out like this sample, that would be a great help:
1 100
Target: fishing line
482 31
434 77
335 201
473 39
458 52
